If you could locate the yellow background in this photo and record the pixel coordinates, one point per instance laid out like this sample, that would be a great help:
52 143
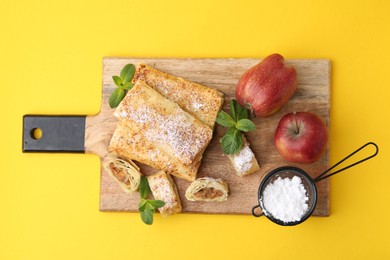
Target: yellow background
51 63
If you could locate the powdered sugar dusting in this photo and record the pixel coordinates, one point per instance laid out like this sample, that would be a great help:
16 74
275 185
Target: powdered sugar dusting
200 101
285 199
243 160
162 190
176 129
123 113
154 154
197 105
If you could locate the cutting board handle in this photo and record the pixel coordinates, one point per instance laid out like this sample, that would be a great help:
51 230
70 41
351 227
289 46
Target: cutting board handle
57 133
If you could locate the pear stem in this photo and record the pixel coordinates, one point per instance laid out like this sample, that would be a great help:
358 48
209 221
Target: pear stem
250 108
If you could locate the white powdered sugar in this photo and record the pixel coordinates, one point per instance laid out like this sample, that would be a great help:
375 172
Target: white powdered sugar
141 115
197 105
285 199
154 154
123 113
174 130
163 190
243 160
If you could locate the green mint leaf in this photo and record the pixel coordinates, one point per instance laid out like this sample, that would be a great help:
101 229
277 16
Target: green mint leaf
150 206
147 216
238 112
116 97
142 205
127 86
245 125
156 203
127 73
144 188
241 112
233 104
232 141
117 80
225 119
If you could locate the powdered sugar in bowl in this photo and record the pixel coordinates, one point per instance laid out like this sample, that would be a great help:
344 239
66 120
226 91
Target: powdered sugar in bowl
287 196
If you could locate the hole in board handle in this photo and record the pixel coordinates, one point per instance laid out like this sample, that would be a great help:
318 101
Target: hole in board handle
36 133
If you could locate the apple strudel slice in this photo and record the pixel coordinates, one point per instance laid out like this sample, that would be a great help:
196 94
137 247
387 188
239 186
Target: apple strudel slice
126 173
207 189
133 145
201 102
244 162
164 123
163 188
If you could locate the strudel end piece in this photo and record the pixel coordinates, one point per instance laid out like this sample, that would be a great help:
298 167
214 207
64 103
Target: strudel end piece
244 162
207 189
163 188
125 172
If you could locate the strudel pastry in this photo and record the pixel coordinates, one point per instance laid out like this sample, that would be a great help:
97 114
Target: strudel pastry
133 145
244 162
201 102
164 123
163 188
126 173
207 189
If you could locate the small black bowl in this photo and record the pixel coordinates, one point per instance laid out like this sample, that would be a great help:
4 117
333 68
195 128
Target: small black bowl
287 172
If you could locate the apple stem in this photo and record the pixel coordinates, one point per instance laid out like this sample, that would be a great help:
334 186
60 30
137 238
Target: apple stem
296 123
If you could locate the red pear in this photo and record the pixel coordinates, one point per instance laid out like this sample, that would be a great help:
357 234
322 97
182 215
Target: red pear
265 88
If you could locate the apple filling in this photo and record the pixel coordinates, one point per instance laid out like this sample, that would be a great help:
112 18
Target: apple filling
208 193
119 174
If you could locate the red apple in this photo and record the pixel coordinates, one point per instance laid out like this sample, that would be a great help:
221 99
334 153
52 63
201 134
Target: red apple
301 137
266 87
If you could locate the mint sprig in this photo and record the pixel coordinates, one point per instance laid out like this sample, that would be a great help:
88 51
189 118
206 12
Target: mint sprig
232 141
123 83
237 123
146 206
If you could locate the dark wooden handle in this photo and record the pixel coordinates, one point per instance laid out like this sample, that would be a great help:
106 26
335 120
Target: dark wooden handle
60 133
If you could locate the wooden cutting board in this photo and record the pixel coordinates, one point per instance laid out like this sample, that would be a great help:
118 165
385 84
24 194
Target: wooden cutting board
313 94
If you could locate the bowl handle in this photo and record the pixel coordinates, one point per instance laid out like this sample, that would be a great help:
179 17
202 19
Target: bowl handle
254 213
325 174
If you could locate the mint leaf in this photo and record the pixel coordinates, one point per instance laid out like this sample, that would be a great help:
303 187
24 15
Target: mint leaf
233 105
127 73
147 216
127 86
123 84
242 112
157 203
237 122
150 206
116 97
142 204
238 112
233 109
117 80
144 188
232 141
225 119
147 207
245 125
